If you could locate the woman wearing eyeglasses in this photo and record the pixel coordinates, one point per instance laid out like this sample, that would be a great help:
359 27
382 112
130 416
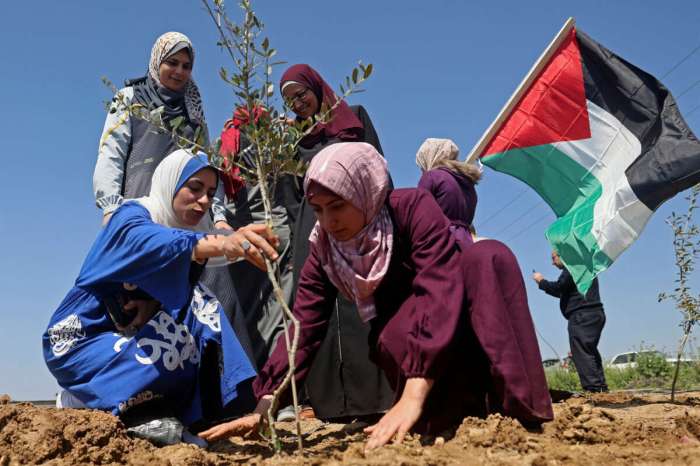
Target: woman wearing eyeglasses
342 381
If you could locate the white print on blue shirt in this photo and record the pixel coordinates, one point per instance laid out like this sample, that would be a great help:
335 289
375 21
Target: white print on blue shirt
64 334
174 335
138 399
206 309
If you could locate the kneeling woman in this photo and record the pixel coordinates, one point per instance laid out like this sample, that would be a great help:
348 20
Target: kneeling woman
137 328
448 351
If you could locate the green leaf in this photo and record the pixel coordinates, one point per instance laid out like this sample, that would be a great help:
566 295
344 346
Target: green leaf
176 122
368 71
265 43
354 75
197 135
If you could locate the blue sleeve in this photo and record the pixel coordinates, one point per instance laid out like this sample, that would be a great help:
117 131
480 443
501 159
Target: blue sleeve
133 249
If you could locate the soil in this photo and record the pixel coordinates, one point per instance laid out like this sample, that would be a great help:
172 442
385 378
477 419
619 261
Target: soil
616 428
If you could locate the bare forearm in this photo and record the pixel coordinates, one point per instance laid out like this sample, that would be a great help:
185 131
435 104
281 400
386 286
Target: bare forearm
209 246
250 242
417 389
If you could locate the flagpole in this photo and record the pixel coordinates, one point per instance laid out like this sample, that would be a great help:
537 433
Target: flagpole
522 88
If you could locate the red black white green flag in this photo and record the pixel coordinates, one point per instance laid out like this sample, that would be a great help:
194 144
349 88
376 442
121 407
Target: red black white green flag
601 141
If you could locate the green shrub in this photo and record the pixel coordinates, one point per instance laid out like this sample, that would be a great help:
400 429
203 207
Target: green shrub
652 371
559 378
620 379
652 365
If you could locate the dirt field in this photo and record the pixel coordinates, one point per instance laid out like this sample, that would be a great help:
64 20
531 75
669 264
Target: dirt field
606 429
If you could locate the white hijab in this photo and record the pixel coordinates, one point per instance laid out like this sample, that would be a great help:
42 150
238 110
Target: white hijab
164 183
166 176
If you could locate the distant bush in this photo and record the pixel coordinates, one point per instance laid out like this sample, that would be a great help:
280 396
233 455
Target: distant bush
618 379
688 376
652 371
560 378
652 368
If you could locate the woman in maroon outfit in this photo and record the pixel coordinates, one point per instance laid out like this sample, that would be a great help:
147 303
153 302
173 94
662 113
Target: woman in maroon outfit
451 329
451 183
343 383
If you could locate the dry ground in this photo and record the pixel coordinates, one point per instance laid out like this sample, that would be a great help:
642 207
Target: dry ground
605 429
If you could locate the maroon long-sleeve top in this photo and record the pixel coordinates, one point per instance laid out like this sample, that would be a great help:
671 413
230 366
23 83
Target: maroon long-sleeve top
456 196
423 322
420 286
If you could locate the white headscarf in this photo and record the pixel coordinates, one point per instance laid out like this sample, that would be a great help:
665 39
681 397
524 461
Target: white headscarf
164 183
433 150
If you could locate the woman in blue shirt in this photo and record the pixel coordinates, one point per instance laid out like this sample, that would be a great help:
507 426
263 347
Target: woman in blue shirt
137 328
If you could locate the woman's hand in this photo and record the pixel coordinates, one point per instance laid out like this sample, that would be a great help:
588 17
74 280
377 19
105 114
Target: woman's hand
251 242
262 230
239 427
402 416
222 225
143 311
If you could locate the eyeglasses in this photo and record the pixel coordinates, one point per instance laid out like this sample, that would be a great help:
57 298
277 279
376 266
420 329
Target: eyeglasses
297 97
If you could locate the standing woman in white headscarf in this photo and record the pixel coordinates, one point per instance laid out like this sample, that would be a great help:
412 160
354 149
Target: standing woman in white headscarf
131 148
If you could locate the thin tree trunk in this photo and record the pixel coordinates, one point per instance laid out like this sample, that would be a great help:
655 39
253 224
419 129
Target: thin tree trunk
681 348
288 316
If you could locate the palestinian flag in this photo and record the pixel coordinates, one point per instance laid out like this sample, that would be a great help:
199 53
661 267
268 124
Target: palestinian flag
601 141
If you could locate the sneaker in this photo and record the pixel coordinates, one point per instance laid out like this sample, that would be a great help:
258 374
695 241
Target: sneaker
286 414
65 399
164 431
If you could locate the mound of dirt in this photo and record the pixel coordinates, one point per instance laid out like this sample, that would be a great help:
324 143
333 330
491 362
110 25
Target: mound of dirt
617 428
30 435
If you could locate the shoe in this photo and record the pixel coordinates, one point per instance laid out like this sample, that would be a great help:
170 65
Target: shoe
163 431
65 399
286 414
306 412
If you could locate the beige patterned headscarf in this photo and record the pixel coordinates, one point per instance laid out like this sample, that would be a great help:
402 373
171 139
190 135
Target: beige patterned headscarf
434 150
165 46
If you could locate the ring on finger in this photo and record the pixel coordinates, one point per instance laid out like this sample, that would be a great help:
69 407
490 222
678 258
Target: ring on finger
245 245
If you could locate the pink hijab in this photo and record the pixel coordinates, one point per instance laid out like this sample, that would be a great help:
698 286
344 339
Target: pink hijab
356 172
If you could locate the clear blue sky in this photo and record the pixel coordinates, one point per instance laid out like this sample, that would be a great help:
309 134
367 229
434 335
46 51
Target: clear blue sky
442 69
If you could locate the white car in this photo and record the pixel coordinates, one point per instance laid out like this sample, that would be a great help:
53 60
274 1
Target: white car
629 359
